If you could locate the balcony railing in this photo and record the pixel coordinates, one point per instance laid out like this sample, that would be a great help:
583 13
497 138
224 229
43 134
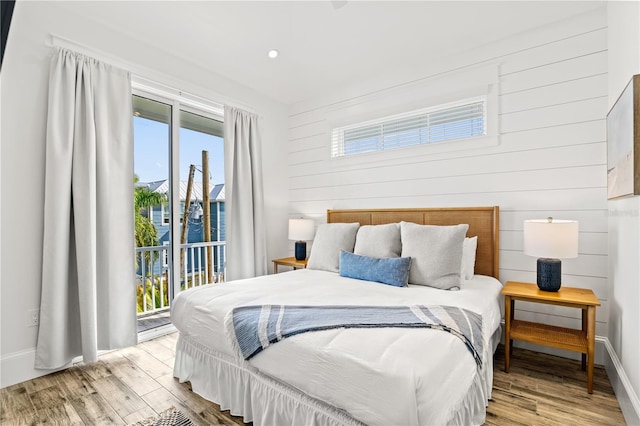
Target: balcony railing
197 269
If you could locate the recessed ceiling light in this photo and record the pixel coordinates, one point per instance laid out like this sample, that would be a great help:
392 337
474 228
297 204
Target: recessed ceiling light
273 53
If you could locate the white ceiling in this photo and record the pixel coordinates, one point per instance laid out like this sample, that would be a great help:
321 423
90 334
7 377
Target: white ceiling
322 47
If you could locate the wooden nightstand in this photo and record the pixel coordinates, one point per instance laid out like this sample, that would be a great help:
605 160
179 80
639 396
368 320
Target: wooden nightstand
582 341
288 261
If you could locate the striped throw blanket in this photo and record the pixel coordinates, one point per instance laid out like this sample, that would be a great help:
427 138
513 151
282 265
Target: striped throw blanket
257 327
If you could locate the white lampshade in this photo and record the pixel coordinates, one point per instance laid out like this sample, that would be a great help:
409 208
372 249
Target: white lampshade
550 238
301 229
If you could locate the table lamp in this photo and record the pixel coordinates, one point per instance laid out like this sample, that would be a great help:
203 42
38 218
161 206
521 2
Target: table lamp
550 240
301 230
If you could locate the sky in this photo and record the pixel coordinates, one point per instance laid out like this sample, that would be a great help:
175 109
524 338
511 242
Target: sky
151 152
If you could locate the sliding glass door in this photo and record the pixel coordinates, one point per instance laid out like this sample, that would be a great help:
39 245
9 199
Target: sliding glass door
152 143
178 202
202 217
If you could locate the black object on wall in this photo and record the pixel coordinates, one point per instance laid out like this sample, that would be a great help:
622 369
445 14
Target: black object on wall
6 12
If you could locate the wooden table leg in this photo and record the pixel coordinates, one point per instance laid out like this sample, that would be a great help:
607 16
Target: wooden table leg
591 335
275 268
513 314
584 328
508 306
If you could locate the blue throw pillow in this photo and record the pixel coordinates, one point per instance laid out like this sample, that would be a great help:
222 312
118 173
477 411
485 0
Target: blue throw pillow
388 270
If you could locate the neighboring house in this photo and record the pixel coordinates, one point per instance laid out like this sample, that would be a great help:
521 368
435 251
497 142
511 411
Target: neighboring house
195 231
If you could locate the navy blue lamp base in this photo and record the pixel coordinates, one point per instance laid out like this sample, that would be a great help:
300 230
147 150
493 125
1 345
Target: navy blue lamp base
549 272
301 250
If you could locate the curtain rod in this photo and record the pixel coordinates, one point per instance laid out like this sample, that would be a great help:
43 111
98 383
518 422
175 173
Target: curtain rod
137 72
152 86
58 41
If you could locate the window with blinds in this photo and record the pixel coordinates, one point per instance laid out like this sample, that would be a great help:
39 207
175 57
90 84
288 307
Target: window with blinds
462 120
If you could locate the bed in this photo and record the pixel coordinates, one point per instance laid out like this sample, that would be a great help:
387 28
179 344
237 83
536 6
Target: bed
348 376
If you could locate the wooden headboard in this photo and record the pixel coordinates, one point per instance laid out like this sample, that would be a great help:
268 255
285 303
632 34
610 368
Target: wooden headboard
483 222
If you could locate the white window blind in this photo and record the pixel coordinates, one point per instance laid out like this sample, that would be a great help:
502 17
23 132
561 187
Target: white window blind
465 119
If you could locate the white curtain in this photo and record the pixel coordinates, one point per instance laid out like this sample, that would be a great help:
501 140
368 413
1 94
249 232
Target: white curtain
88 298
246 251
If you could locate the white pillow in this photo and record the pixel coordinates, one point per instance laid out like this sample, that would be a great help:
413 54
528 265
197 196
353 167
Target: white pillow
436 253
379 241
469 247
329 240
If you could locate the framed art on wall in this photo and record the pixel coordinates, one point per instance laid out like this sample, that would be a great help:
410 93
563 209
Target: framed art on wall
623 143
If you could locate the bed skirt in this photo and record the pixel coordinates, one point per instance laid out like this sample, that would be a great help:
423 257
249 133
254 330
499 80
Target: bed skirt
244 391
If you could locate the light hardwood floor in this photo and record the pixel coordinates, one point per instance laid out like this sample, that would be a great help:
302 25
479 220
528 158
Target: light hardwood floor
543 389
133 384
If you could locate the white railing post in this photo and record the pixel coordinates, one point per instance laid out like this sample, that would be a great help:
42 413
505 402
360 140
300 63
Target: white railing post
199 267
206 266
161 284
193 281
144 283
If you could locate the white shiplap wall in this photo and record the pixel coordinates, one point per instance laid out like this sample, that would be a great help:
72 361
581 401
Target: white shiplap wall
550 159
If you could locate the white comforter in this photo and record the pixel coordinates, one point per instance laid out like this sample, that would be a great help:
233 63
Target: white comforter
387 376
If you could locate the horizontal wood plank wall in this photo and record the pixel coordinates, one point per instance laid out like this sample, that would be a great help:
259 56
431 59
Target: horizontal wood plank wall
551 159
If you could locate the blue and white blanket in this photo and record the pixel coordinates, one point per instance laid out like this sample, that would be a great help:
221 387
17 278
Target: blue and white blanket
256 327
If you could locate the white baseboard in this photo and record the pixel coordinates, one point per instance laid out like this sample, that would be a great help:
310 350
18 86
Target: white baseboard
627 397
17 367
